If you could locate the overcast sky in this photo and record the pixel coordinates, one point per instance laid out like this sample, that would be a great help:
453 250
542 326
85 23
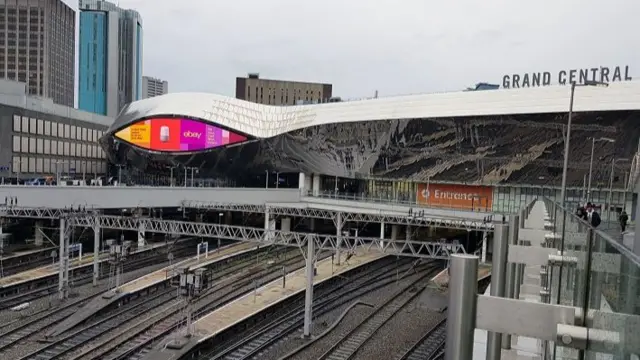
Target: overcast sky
393 46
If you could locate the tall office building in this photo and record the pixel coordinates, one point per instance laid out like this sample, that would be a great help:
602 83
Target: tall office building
37 47
154 87
280 92
110 66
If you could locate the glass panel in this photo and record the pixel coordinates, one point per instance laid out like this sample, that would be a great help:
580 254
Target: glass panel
54 129
16 123
16 143
47 146
32 129
40 127
47 128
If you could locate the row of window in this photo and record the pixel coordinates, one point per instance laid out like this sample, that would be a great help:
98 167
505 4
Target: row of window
45 165
48 128
31 145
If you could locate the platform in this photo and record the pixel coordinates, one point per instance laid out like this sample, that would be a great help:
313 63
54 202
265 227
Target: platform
161 275
442 279
248 305
145 282
53 269
16 254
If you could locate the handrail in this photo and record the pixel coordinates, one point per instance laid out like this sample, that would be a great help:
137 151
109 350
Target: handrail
614 243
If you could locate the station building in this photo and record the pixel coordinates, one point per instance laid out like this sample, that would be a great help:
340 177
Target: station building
39 138
475 149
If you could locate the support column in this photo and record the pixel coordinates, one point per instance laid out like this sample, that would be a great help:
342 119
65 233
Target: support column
63 275
381 234
38 236
305 184
510 279
308 296
498 275
96 254
141 235
461 317
338 236
407 235
285 224
394 232
483 259
316 185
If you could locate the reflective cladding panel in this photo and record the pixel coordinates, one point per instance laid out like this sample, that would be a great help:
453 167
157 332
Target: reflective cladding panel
524 149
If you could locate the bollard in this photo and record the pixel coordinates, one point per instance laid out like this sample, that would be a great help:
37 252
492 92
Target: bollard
462 309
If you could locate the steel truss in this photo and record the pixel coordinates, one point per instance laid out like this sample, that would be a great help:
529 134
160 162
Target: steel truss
40 213
413 248
354 216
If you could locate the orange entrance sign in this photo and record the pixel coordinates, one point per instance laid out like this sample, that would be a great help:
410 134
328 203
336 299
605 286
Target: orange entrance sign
467 197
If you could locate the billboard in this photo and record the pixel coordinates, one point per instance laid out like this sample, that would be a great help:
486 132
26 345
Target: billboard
177 135
464 197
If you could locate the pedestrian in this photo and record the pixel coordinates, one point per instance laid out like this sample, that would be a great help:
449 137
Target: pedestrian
592 215
623 220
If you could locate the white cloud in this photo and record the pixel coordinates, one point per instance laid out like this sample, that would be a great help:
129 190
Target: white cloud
395 47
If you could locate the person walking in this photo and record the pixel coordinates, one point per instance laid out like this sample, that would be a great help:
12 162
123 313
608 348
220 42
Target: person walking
623 220
592 215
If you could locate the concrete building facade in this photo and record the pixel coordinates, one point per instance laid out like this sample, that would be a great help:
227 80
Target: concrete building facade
37 47
38 137
154 87
281 92
110 61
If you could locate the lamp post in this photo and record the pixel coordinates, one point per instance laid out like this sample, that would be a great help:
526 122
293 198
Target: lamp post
593 145
563 190
610 197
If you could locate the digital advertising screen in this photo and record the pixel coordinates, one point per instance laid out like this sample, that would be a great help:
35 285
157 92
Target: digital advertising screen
177 135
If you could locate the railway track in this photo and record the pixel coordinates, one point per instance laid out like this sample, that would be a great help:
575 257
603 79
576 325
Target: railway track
8 302
153 318
328 299
430 345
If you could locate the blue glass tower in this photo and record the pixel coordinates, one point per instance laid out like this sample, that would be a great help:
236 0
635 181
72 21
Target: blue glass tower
110 59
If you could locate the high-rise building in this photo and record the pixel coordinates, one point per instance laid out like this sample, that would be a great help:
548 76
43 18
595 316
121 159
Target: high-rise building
37 47
281 92
154 87
110 66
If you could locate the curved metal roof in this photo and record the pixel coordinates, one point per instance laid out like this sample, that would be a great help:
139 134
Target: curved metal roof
264 121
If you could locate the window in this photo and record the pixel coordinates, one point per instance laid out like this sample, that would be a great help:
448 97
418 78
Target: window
73 149
39 165
16 123
40 127
25 144
32 145
54 129
67 131
47 128
32 165
25 124
32 126
84 150
60 147
39 146
47 146
72 135
79 133
60 130
24 164
66 149
54 147
16 143
47 165
16 164
84 134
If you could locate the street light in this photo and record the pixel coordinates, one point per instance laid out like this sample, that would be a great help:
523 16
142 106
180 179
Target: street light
593 145
563 191
613 164
565 165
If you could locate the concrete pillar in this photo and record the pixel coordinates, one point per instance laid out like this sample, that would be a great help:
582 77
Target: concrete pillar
381 234
312 224
316 185
39 238
308 298
141 235
305 182
462 310
285 224
407 235
269 226
394 232
510 279
498 281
